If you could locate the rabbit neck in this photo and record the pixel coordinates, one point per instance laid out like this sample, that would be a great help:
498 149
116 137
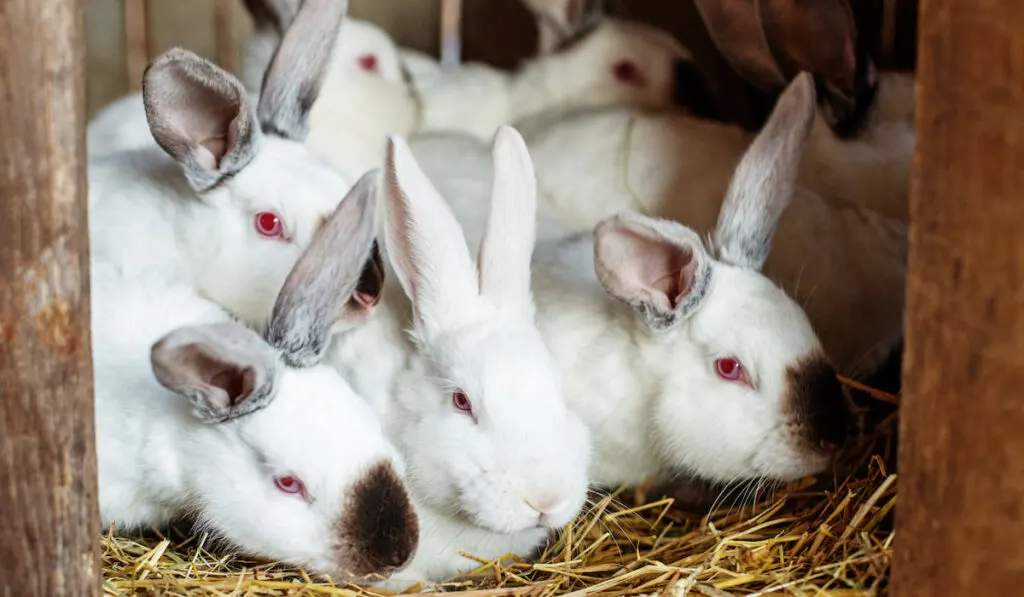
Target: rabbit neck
605 355
371 355
846 266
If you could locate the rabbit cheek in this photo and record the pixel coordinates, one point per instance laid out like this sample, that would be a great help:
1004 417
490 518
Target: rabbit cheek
815 402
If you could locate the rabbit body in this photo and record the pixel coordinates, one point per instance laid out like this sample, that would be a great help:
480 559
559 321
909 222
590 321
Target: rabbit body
619 63
641 312
454 365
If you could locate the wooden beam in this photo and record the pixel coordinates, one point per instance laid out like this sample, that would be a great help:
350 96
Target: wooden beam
961 512
49 520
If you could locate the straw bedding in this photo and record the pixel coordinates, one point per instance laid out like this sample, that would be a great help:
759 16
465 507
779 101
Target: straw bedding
830 536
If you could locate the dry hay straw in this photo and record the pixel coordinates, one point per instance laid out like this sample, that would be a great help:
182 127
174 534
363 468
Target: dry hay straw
830 538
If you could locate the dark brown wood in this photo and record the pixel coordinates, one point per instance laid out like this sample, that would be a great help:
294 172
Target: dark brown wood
49 520
961 514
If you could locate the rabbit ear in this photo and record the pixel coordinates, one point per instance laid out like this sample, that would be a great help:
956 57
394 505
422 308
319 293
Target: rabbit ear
296 72
820 37
658 267
270 19
200 115
559 20
735 29
272 16
765 179
507 246
224 369
325 278
425 244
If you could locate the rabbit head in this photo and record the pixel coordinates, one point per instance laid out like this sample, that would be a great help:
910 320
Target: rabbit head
288 463
362 48
769 42
618 63
491 437
255 195
745 389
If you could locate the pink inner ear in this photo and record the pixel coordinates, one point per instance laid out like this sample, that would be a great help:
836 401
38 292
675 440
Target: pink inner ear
629 73
368 62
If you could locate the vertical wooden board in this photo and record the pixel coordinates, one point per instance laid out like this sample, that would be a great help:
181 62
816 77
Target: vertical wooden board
243 31
411 23
105 52
190 24
961 513
49 519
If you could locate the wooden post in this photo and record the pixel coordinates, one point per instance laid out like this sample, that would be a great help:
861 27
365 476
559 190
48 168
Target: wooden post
49 520
960 520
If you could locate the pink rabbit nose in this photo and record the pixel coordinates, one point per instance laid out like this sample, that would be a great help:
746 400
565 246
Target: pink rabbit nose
544 503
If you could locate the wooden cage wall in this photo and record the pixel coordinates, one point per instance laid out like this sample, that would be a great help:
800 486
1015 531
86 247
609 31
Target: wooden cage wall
962 458
124 35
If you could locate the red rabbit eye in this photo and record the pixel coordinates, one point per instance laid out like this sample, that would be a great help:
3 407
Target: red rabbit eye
368 62
269 225
731 369
290 484
461 402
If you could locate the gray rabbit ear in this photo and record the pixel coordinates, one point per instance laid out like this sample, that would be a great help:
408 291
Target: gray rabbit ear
297 70
325 278
658 267
225 370
764 181
200 115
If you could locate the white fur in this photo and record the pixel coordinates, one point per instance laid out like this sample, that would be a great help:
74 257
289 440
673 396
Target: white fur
651 398
476 99
471 329
144 217
843 261
348 122
158 462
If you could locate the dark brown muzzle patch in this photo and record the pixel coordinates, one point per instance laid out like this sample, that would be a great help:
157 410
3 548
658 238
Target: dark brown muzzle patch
379 529
816 401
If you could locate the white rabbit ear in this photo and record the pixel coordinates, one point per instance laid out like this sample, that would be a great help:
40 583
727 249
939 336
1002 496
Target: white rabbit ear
735 29
765 179
658 267
225 370
507 246
325 278
200 115
425 243
297 70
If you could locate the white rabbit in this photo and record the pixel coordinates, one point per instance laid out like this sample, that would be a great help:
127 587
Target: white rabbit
845 263
863 156
230 197
682 358
363 95
470 394
197 415
618 63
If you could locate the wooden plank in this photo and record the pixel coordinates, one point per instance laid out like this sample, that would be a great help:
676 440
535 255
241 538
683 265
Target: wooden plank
136 41
49 519
187 23
961 512
106 39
